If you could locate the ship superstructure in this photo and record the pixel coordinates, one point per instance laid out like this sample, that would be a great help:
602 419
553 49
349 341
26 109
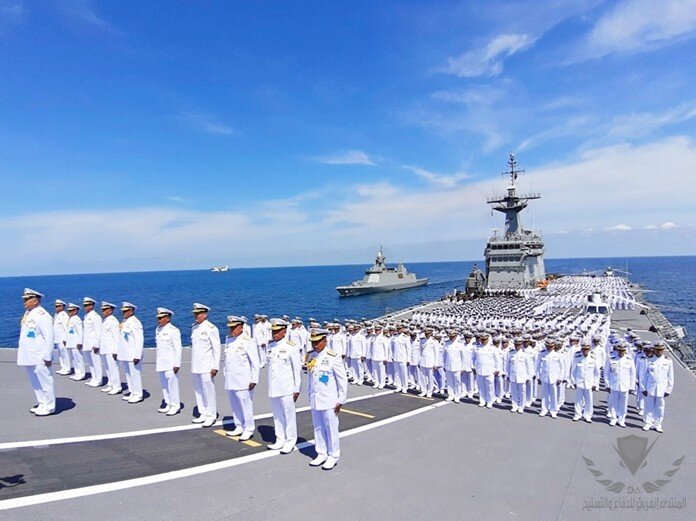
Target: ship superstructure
515 259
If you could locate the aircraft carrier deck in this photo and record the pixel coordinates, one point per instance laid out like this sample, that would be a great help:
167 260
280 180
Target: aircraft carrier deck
403 457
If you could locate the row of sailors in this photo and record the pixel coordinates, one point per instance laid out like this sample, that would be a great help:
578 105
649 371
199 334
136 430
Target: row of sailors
326 375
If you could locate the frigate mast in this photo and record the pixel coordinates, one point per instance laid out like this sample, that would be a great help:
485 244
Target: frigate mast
514 260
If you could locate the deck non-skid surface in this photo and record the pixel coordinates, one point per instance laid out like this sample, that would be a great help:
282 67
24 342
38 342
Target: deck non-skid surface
66 466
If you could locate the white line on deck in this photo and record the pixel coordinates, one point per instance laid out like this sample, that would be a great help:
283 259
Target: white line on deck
183 473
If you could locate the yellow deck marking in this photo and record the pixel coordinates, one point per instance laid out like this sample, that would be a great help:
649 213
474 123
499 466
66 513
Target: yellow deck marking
250 443
356 413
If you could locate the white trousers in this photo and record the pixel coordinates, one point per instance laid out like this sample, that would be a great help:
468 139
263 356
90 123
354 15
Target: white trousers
654 410
170 388
380 372
583 402
95 366
440 379
640 399
64 357
242 404
284 419
618 404
204 389
133 377
78 362
549 397
427 379
468 383
485 386
390 371
326 433
499 386
454 384
356 369
530 391
41 381
401 374
112 371
518 394
413 375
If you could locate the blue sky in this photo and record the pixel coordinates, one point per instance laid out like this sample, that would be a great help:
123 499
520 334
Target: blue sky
136 136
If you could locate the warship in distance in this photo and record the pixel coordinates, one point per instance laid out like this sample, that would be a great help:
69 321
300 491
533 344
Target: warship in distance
380 278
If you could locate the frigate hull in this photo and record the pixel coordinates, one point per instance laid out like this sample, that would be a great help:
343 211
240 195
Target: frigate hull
353 291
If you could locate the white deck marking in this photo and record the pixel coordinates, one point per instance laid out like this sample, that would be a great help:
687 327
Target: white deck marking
116 435
48 497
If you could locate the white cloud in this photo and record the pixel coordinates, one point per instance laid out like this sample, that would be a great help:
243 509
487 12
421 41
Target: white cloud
618 228
668 226
435 179
176 199
475 95
85 13
645 123
208 123
350 157
639 25
488 60
650 227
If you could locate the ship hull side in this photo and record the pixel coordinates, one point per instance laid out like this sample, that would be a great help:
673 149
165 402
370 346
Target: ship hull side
353 291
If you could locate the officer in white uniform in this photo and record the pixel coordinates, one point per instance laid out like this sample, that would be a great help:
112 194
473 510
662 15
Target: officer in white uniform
380 348
91 327
485 368
108 347
130 352
428 360
401 354
60 337
550 370
621 377
284 380
168 360
327 389
205 363
35 351
242 367
584 374
262 335
468 381
356 354
657 383
453 363
74 341
519 368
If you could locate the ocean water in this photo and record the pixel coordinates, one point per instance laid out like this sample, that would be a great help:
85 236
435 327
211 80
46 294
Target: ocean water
309 291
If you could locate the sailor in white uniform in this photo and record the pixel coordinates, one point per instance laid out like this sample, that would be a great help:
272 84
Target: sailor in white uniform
519 370
550 370
657 383
108 347
401 354
262 335
91 327
130 352
35 351
428 360
485 368
284 380
380 348
584 375
74 341
168 361
356 354
468 380
241 367
453 362
621 377
60 336
327 389
205 363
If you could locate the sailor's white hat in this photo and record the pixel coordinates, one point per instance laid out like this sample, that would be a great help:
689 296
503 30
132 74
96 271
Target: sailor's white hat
125 306
88 300
317 334
200 308
72 306
106 305
59 302
164 312
234 320
278 323
31 293
244 319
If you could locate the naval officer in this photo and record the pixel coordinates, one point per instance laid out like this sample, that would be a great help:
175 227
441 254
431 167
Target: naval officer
621 377
168 360
327 389
130 352
657 382
108 347
241 367
60 336
550 369
74 341
519 368
91 326
284 379
205 362
35 351
485 362
584 374
453 363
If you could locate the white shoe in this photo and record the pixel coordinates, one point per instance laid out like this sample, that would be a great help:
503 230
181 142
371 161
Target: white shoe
659 428
489 405
287 448
513 408
554 415
200 419
576 417
135 399
43 411
63 372
641 412
498 400
622 424
275 446
245 436
544 412
236 432
449 399
376 386
105 389
329 463
520 410
613 422
646 427
35 408
319 460
404 391
428 395
457 400
163 409
381 386
114 391
359 383
126 396
77 378
397 390
209 421
421 394
482 403
588 419
92 383
173 411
